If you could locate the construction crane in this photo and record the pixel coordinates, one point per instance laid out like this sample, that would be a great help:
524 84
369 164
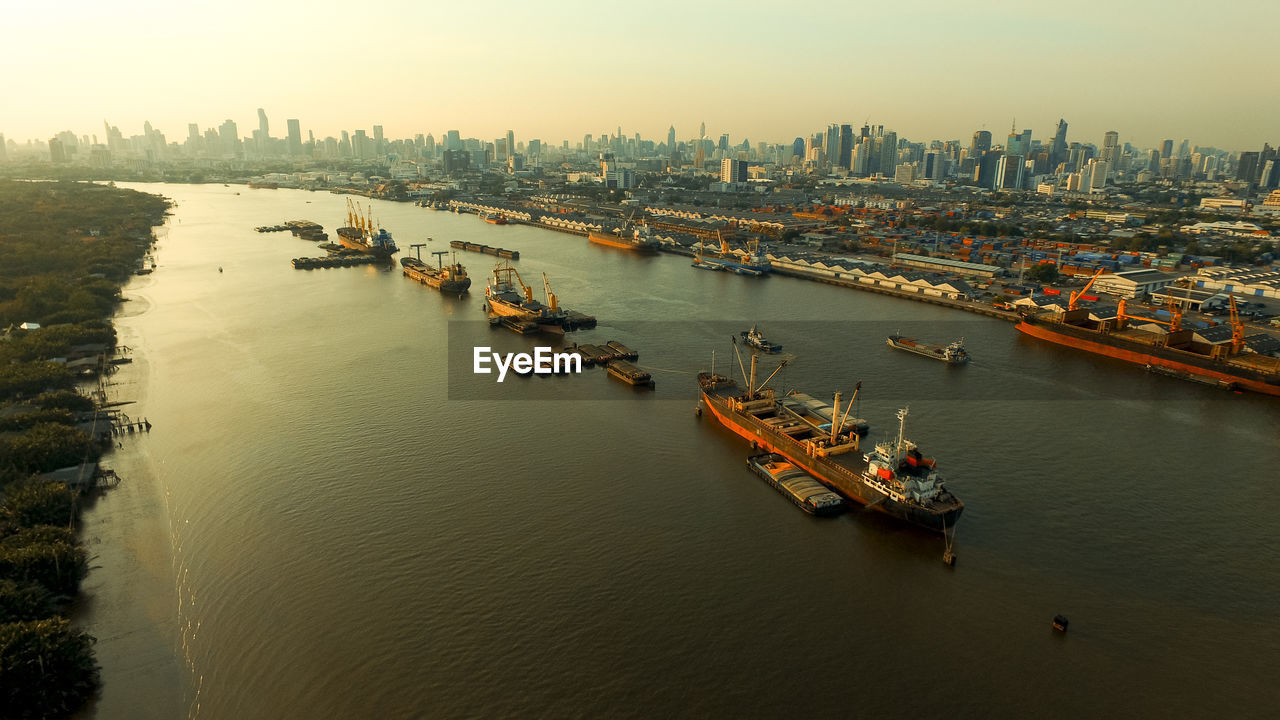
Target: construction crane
551 297
1075 296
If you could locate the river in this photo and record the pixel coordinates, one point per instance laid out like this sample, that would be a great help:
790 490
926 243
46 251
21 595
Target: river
333 517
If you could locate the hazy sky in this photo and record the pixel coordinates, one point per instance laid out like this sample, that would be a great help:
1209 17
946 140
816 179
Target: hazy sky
930 69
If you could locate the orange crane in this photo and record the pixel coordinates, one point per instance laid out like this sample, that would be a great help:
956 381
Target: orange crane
1075 296
1174 324
1237 328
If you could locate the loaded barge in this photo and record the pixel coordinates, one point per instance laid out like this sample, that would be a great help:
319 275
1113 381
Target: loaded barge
953 354
807 493
894 478
487 250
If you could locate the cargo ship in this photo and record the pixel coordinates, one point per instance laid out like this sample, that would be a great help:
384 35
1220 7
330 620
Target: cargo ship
895 478
807 493
451 278
1212 356
363 235
953 354
753 264
638 241
508 296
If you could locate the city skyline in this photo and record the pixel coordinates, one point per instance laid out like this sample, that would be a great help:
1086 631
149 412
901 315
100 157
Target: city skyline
1150 71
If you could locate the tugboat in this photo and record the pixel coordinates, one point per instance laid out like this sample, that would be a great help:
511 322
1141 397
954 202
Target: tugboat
754 339
953 354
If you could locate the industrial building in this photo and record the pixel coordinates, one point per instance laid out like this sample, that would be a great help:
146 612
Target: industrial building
1133 283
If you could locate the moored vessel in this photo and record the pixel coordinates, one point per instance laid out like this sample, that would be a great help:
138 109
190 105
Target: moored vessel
363 235
451 278
638 240
895 478
1215 356
806 492
508 296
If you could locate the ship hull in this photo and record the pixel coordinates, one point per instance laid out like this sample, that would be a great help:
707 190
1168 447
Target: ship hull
843 480
1133 352
933 352
616 242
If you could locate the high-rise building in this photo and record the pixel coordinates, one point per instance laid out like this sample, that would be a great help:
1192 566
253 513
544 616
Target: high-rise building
1247 167
889 154
981 143
1166 149
4 150
57 153
985 172
262 123
671 139
702 130
846 146
1009 173
511 143
456 160
733 171
1058 150
831 145
230 138
452 141
295 136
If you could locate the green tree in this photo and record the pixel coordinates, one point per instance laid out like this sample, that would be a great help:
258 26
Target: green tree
24 601
47 669
37 502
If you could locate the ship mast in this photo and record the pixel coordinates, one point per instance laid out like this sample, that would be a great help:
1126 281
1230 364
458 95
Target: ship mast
897 450
835 418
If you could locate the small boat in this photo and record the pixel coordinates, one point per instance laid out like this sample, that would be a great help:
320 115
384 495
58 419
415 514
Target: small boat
953 354
757 341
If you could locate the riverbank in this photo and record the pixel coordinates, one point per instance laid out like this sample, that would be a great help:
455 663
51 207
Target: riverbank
131 598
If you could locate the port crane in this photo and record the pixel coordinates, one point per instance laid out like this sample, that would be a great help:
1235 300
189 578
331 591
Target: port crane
1075 296
1237 327
1174 323
552 302
418 248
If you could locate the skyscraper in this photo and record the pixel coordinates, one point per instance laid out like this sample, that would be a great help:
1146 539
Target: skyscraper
1058 150
981 143
1247 167
1166 149
671 139
889 154
846 146
1009 173
295 137
262 123
831 145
